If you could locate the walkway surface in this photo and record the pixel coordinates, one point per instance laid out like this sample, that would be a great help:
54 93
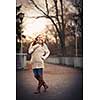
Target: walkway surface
65 83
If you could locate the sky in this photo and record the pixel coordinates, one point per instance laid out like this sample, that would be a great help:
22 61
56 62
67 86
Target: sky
32 27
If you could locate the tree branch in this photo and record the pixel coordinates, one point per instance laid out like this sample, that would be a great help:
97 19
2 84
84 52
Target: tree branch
46 15
38 7
56 8
39 17
46 2
62 15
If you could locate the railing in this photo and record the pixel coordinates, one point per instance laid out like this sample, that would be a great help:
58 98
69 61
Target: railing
73 61
21 60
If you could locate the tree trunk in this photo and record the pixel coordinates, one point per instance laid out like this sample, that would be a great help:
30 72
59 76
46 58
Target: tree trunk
62 42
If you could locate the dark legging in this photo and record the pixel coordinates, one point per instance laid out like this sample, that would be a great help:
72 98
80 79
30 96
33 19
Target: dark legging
38 74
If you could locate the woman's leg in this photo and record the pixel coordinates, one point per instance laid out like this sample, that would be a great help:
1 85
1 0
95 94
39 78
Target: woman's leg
42 80
35 71
38 74
44 84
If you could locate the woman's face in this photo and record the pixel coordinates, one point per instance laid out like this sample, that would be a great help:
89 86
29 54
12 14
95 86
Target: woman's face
41 39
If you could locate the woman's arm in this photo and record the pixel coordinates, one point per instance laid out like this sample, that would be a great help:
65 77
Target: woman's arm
32 48
47 52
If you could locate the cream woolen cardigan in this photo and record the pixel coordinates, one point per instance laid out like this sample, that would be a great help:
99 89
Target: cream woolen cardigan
39 54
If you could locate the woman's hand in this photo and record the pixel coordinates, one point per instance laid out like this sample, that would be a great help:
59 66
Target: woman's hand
43 57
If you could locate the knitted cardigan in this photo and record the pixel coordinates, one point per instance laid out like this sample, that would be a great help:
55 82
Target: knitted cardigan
39 54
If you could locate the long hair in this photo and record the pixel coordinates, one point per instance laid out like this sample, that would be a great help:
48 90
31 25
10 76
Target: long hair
36 41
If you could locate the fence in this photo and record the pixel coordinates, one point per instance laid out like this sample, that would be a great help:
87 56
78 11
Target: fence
72 61
21 61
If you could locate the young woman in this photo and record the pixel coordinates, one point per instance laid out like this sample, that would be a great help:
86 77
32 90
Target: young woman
39 52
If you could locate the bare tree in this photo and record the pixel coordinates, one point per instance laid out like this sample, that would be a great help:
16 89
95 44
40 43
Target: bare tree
57 17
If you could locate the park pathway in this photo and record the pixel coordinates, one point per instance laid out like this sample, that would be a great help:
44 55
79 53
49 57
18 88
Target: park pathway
65 83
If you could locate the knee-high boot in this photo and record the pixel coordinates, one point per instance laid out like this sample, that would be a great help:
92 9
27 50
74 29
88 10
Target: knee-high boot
40 83
44 84
45 87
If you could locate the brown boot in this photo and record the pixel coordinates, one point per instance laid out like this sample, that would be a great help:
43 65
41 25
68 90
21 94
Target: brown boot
39 85
39 88
37 92
45 86
43 83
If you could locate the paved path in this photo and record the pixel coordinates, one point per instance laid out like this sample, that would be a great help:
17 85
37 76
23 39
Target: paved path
65 83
